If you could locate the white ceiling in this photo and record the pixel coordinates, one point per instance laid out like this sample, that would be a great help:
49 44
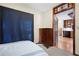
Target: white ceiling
41 6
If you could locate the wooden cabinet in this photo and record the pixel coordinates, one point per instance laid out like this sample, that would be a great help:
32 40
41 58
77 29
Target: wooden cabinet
63 7
46 36
68 34
68 23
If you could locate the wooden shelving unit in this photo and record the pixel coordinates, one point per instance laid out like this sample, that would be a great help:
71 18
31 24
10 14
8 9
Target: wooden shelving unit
63 7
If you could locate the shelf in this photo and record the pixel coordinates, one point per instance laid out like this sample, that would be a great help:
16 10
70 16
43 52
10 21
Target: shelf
63 7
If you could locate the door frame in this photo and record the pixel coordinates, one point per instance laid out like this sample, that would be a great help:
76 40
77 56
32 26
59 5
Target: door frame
73 23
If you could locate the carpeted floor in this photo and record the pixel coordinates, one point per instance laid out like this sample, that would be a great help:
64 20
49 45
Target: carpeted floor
55 51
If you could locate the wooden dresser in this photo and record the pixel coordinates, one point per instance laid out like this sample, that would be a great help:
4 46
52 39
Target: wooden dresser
46 36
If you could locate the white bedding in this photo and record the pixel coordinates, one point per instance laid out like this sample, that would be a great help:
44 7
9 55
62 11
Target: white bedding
21 48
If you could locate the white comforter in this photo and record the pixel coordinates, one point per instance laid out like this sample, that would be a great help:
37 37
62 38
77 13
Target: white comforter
21 48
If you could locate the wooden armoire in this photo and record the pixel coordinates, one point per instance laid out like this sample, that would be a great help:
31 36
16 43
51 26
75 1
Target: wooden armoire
46 36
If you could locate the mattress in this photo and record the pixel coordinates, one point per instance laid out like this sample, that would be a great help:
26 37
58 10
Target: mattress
21 48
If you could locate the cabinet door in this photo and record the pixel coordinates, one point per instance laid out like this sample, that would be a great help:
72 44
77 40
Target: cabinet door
50 37
26 26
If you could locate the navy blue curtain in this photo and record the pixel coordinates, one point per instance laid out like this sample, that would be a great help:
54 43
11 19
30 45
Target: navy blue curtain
26 26
17 26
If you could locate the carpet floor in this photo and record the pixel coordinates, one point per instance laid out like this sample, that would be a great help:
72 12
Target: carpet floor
51 51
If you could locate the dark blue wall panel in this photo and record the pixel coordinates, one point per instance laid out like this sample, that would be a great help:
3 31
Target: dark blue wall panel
17 25
26 27
6 27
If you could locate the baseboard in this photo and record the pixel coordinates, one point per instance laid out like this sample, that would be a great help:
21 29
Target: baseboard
76 54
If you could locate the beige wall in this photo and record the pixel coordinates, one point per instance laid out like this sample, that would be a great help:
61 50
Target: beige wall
44 21
37 24
41 19
18 6
47 19
77 29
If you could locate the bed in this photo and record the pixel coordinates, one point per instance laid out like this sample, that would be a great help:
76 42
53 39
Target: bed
21 48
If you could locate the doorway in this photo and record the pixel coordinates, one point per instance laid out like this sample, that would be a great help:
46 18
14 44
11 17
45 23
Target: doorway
55 31
64 27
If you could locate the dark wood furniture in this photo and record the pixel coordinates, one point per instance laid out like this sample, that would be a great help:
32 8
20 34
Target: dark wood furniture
46 36
68 23
68 34
63 7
